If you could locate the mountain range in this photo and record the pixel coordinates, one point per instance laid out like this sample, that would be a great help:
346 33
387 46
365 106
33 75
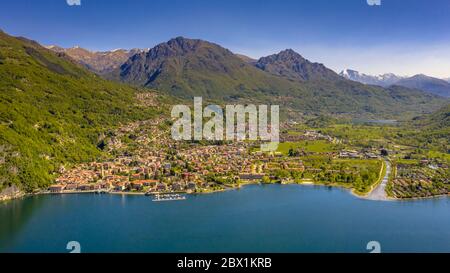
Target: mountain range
440 87
287 64
191 67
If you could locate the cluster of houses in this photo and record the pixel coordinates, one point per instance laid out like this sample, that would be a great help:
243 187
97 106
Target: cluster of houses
153 162
368 154
185 170
123 174
416 182
309 135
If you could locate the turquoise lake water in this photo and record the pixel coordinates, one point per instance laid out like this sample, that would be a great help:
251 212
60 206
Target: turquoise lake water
269 218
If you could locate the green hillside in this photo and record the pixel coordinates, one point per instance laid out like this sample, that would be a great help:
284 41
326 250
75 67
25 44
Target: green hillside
439 119
53 112
433 131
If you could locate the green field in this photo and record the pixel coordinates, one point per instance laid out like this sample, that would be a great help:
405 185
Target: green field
443 156
316 146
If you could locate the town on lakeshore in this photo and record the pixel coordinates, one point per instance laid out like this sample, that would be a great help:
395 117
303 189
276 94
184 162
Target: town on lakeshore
144 159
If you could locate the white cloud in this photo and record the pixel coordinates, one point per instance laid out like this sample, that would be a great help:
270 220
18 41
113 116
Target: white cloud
73 2
374 2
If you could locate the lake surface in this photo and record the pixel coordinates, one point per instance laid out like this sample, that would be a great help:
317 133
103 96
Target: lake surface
376 121
270 218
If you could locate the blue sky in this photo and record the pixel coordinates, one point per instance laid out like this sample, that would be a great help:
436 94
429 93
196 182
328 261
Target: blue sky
400 36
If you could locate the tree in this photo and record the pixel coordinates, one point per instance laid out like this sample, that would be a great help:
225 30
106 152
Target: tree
266 179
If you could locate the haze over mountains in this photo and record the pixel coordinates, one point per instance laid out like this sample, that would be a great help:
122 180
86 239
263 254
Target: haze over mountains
432 85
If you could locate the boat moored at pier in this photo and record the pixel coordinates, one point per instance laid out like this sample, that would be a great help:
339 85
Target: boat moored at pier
168 197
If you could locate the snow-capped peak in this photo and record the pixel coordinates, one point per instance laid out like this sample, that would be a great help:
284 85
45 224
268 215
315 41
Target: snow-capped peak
382 79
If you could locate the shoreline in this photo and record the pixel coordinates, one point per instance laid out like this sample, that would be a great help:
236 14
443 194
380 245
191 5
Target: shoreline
308 183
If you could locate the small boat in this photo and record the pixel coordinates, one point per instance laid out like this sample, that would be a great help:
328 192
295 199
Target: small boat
168 197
